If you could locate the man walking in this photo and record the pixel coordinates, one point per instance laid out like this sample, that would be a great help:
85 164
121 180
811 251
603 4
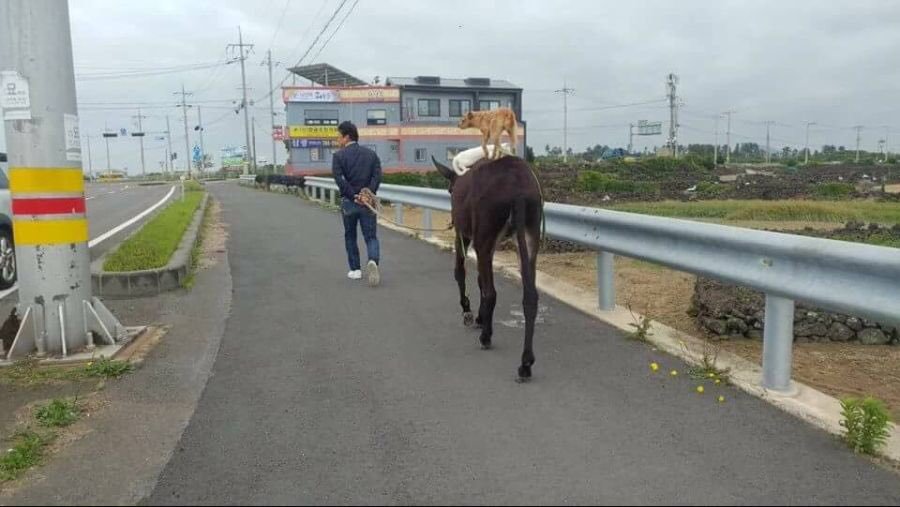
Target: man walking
354 168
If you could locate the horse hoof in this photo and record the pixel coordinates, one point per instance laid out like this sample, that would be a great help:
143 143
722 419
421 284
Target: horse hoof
486 343
523 380
524 373
468 319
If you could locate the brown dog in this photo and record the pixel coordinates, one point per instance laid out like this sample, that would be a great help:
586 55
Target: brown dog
492 124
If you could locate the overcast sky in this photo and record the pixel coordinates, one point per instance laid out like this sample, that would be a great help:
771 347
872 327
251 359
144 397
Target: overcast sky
835 62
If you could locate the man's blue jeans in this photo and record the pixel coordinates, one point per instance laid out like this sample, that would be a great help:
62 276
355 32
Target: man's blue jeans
352 214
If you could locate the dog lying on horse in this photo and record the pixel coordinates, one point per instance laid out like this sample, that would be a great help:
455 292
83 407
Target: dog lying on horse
494 200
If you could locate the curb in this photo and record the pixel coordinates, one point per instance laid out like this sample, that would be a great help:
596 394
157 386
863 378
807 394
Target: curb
804 402
150 282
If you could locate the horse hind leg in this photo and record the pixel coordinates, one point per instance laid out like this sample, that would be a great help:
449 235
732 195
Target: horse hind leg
462 246
528 244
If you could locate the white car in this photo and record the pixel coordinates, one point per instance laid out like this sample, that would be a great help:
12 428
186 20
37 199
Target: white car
7 247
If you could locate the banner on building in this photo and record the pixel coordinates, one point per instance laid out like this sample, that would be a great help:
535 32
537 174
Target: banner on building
313 132
314 143
358 94
278 133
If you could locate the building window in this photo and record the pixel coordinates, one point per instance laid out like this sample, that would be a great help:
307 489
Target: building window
460 107
453 152
322 117
429 107
488 105
421 154
376 117
317 154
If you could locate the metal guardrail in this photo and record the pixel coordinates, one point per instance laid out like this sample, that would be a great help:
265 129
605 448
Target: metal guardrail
860 280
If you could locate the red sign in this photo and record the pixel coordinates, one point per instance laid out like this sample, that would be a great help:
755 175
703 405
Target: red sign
278 133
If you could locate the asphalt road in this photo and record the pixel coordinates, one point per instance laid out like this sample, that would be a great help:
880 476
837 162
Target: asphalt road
327 392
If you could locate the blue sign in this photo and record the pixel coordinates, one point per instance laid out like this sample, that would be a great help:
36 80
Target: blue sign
123 132
196 153
313 143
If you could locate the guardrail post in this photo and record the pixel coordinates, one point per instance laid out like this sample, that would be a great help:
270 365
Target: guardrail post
398 213
331 197
426 222
606 281
778 343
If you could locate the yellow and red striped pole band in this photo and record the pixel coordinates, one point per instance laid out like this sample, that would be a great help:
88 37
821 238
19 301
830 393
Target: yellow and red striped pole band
48 205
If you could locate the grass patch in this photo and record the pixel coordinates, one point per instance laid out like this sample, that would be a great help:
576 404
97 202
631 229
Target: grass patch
594 181
834 191
58 413
801 211
108 368
27 451
28 372
197 249
154 244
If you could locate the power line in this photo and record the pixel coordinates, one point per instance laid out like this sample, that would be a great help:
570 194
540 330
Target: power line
604 108
336 30
287 4
310 48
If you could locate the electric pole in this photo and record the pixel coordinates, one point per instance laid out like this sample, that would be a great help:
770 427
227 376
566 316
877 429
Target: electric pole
140 136
566 91
253 140
240 46
187 140
728 138
90 161
170 165
672 84
806 162
58 315
858 130
202 147
272 110
716 146
768 125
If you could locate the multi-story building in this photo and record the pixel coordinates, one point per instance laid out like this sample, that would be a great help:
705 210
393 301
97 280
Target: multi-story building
406 120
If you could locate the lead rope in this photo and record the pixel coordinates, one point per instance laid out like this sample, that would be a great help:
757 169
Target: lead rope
367 198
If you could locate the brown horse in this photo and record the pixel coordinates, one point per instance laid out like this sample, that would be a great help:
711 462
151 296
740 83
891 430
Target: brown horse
491 202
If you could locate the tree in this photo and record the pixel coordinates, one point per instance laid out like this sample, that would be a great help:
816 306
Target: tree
529 154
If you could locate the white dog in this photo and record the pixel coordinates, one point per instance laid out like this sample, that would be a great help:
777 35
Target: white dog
464 161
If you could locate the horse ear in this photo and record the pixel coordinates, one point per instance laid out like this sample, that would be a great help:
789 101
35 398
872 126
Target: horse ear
444 170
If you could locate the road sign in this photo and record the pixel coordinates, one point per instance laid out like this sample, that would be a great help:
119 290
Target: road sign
646 128
123 132
196 153
278 133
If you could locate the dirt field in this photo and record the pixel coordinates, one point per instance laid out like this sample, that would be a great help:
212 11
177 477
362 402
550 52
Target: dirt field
837 369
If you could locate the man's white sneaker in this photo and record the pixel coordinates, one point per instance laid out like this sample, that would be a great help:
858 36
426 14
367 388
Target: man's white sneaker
355 275
372 274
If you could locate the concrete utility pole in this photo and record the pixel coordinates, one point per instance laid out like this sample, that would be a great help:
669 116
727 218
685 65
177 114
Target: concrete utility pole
858 130
728 137
187 139
630 137
716 146
566 91
243 56
140 136
272 111
806 161
768 154
90 160
253 140
672 85
202 147
170 165
57 312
